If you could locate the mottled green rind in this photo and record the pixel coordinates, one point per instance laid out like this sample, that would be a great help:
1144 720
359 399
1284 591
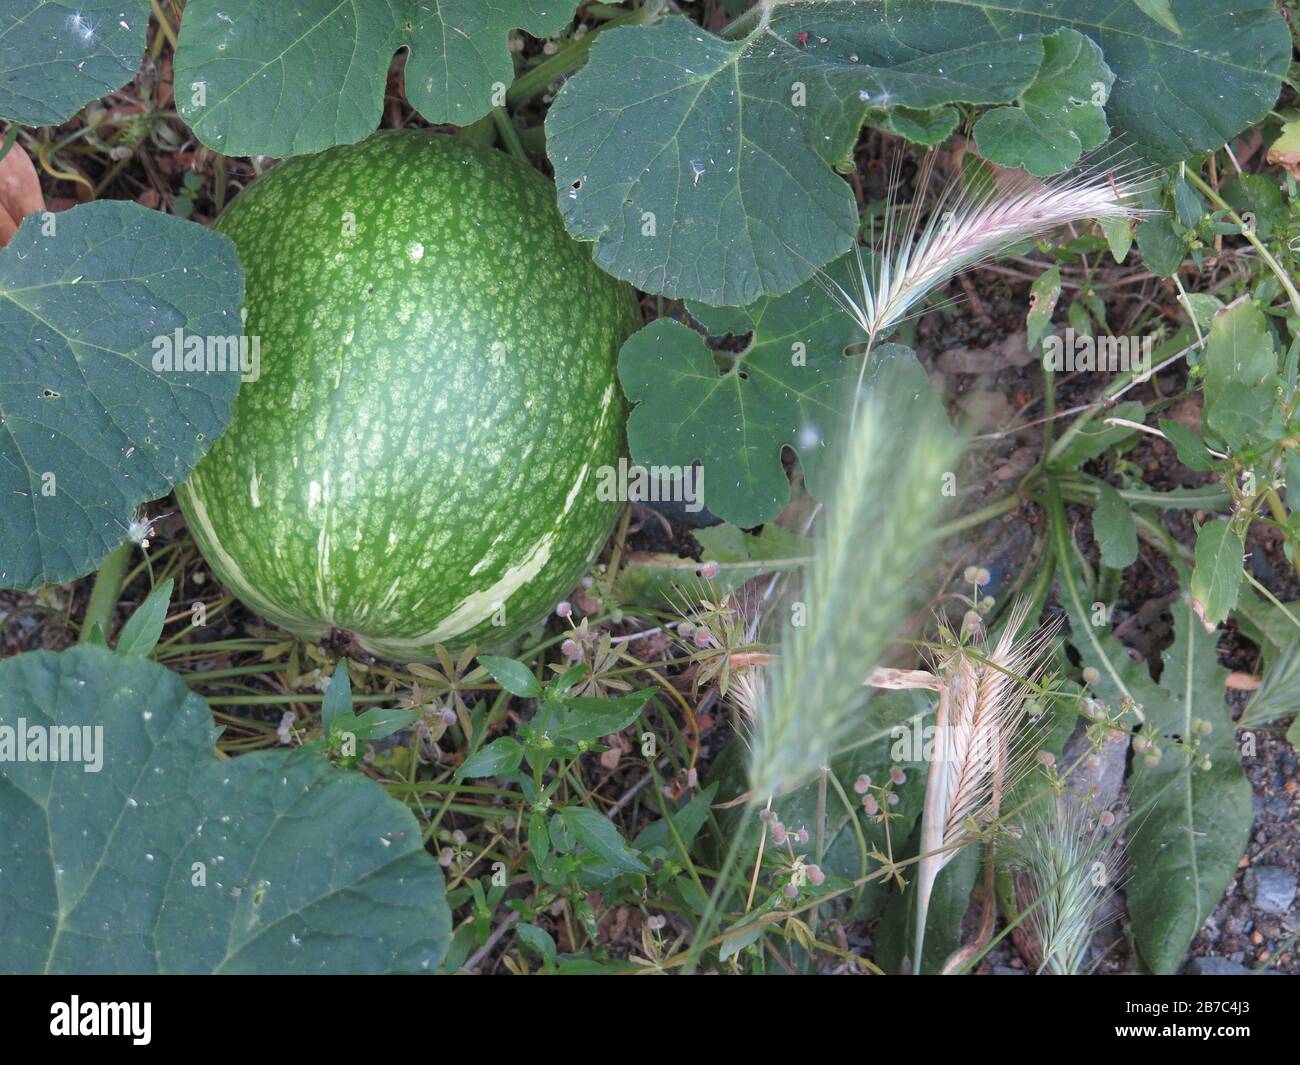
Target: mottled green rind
417 462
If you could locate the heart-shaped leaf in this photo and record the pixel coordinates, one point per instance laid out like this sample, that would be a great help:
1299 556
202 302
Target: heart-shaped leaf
145 854
788 387
55 57
701 165
299 76
90 300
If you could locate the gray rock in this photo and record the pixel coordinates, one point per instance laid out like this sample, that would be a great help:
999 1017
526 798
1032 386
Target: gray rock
1106 776
1210 966
1006 970
1215 967
1271 888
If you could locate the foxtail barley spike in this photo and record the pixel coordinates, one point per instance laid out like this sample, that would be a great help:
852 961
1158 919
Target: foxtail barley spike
1066 857
979 749
965 229
857 590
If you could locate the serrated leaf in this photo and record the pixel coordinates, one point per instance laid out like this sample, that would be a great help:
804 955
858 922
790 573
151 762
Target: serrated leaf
1202 308
299 76
1193 824
1217 576
139 636
600 836
512 675
89 430
788 388
169 861
1242 50
1059 117
1239 350
926 128
1113 528
496 759
55 56
1239 415
701 166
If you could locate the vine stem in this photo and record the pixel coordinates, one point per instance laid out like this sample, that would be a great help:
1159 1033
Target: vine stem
104 595
508 134
565 62
996 509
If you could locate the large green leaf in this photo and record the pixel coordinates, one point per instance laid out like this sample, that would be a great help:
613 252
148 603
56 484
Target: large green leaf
298 76
789 387
56 56
701 165
88 428
166 860
1241 50
1185 845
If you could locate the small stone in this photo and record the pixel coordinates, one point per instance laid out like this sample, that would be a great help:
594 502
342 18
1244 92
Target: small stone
1271 888
1215 967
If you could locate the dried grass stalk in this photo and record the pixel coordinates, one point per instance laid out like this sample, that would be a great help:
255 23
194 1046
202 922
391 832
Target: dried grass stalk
980 748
